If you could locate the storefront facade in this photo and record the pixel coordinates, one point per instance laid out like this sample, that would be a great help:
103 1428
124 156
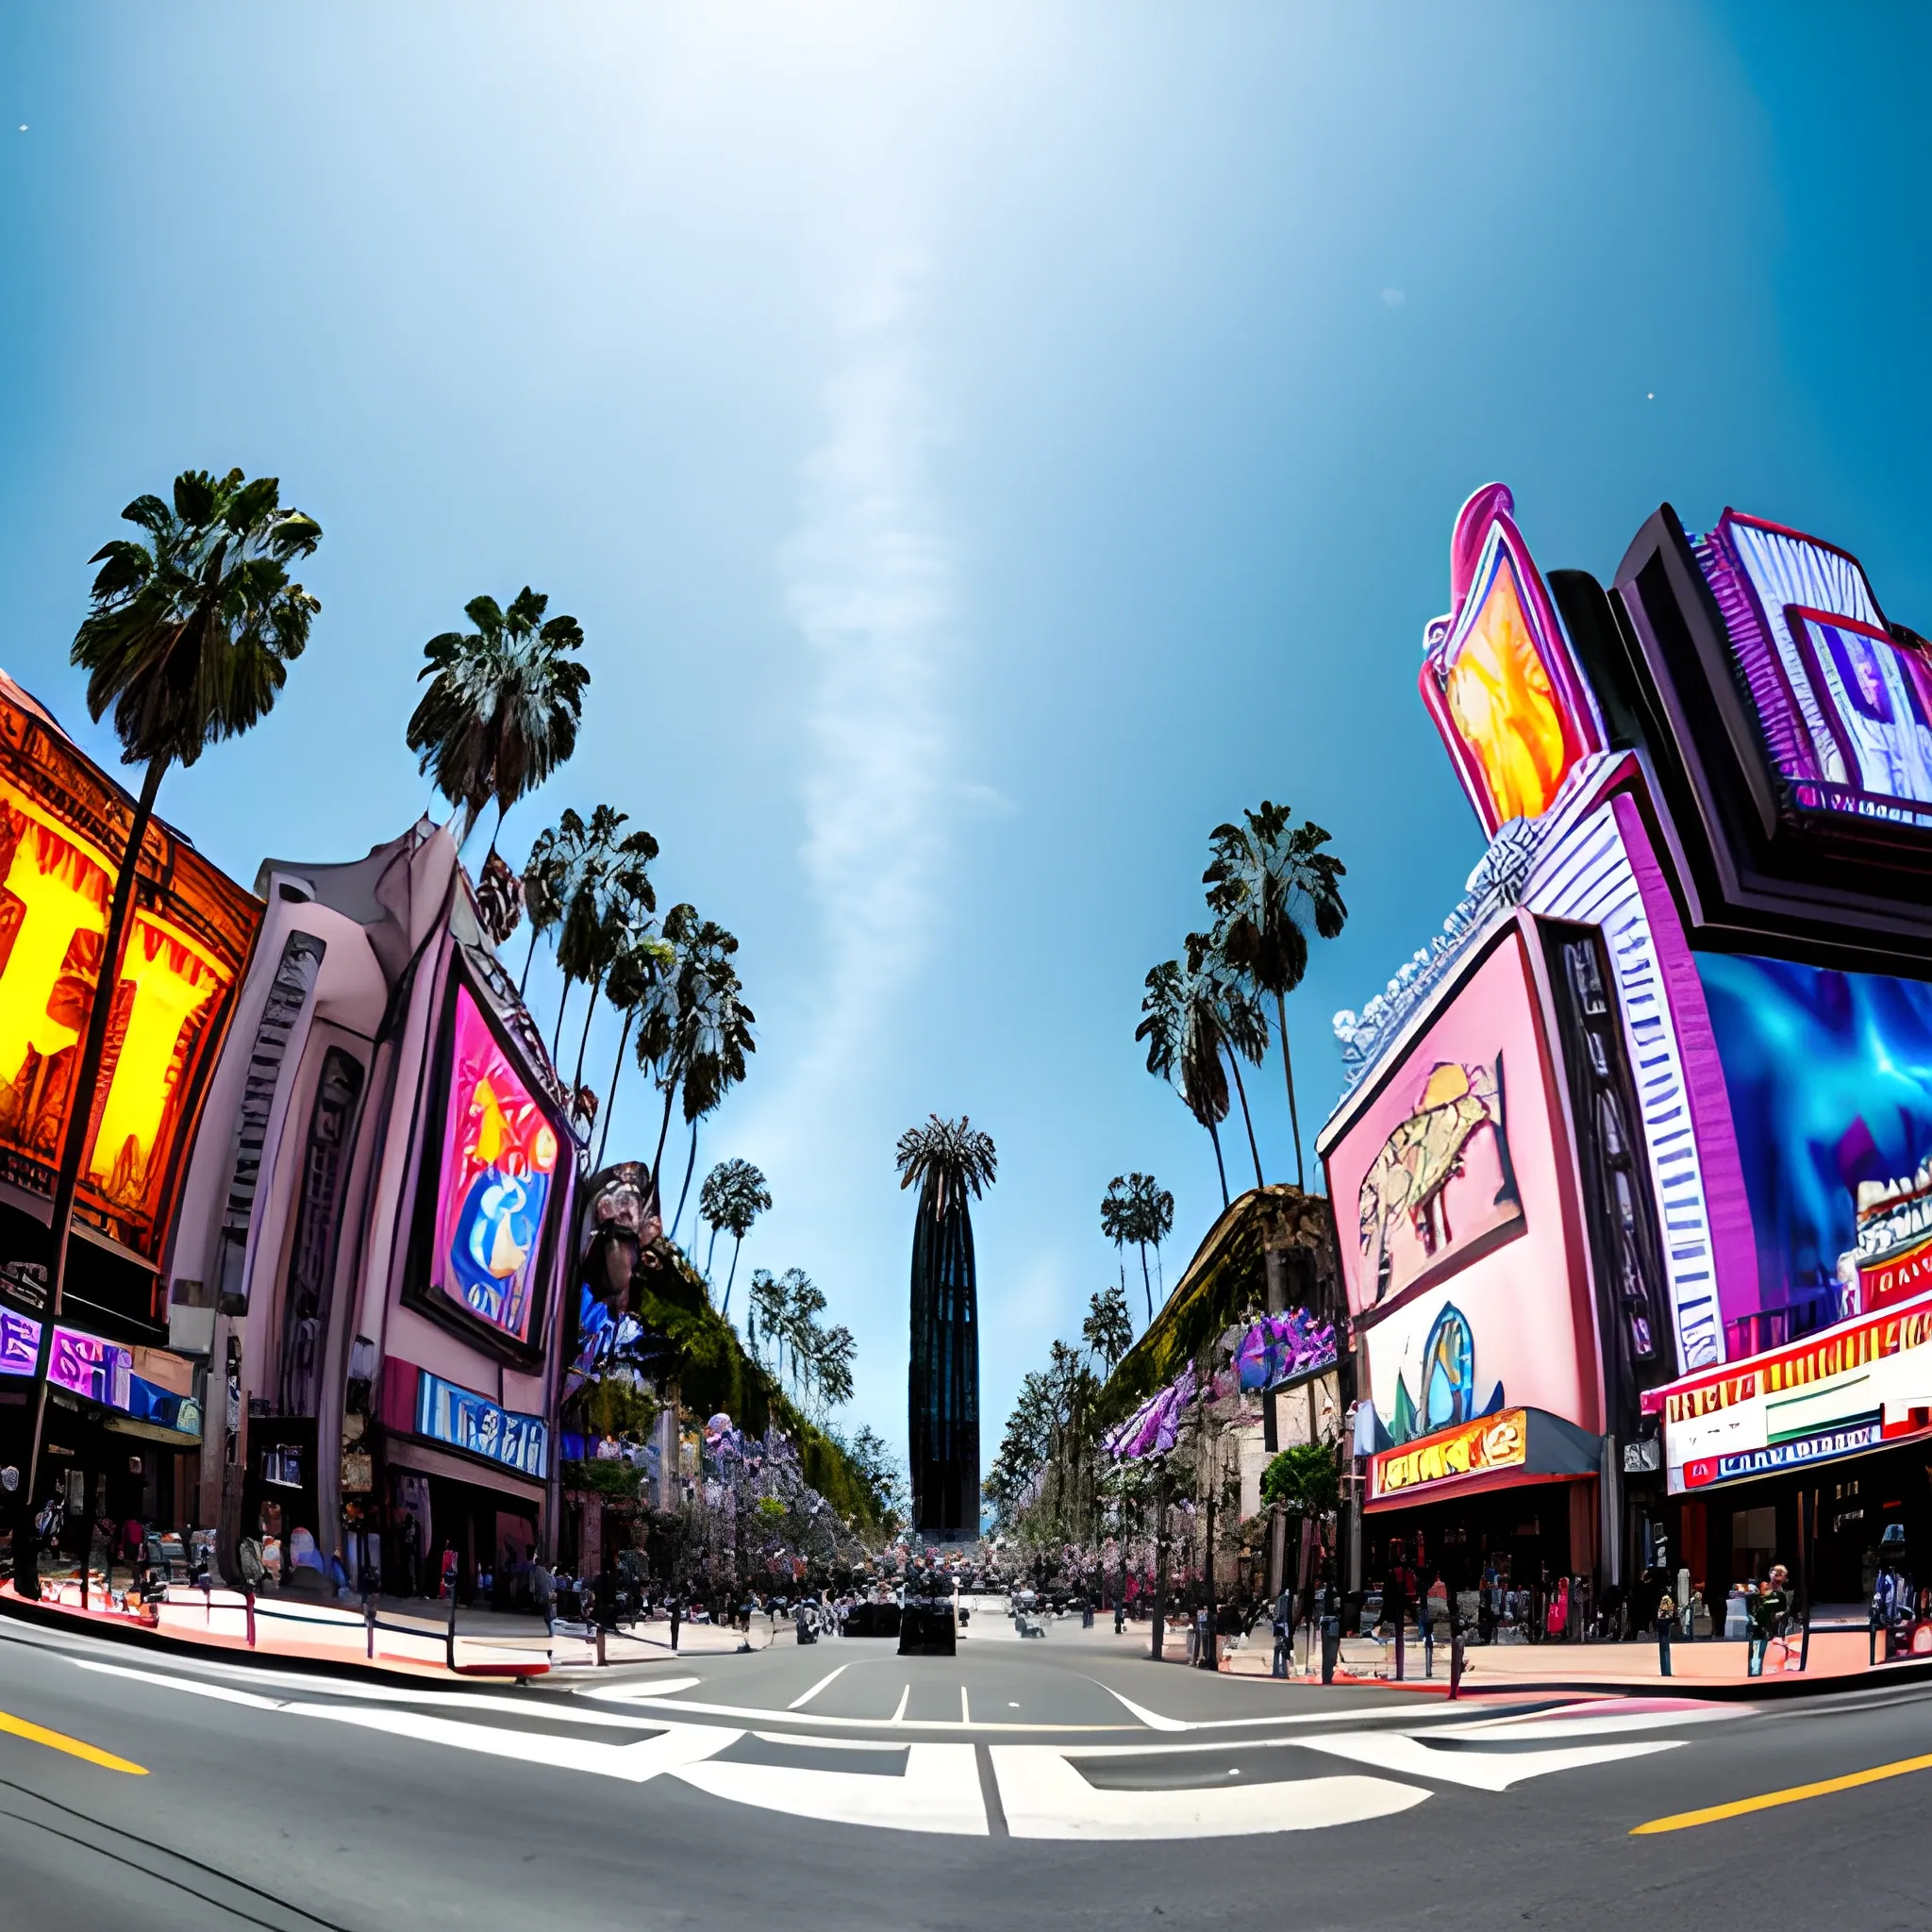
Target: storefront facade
1641 1142
371 1247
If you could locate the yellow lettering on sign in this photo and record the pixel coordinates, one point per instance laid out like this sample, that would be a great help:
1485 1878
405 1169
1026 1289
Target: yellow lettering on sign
61 894
170 987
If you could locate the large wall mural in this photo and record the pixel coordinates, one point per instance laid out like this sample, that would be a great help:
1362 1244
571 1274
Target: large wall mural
1465 1296
500 1151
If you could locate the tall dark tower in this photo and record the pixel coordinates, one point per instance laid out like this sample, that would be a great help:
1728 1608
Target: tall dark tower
950 1162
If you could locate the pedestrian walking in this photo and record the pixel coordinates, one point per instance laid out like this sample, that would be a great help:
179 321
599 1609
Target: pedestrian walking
543 1595
1283 1620
1768 1610
1666 1624
1397 1594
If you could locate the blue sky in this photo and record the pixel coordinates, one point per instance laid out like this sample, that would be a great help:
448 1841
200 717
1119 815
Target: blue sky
986 447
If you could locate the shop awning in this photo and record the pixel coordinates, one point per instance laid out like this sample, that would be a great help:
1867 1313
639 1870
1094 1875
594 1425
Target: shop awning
1494 1452
1862 1383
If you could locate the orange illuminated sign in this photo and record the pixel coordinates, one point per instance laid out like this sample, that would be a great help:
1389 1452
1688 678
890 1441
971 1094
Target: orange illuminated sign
64 828
1491 1441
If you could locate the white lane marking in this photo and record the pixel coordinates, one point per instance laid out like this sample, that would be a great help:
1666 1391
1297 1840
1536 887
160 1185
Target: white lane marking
1480 1771
1381 1713
673 1746
795 1738
1044 1797
904 1698
940 1791
754 1714
647 1691
672 1749
220 1692
965 1709
364 1693
1568 1725
799 1703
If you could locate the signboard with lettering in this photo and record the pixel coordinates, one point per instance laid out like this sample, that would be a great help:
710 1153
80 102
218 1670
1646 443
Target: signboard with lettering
147 1385
1492 1442
1854 1387
476 1425
64 828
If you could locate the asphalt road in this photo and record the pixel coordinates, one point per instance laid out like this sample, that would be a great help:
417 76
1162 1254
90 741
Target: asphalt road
841 1786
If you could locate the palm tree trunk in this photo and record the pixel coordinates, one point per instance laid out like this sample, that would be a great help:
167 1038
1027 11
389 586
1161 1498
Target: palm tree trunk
495 831
527 957
710 1253
610 1098
657 1158
80 1109
1147 1286
691 1167
737 1242
1234 1064
576 1079
1220 1165
1301 1177
557 1031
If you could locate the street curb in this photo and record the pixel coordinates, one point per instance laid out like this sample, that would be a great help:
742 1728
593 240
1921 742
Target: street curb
51 1617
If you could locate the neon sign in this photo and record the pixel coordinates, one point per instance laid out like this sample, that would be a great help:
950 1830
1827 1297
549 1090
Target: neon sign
62 831
499 1164
1498 677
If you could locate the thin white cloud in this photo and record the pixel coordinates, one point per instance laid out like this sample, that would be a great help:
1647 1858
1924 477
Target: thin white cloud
869 582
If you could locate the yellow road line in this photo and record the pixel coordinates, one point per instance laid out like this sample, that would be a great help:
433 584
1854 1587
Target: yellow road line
59 1741
1682 1821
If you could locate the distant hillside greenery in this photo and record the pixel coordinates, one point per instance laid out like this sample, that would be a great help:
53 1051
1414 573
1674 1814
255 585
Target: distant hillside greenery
715 1374
1225 1281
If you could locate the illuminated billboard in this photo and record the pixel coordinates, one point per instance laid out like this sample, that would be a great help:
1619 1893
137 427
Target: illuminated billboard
489 1193
1457 1252
1836 1163
1498 677
1846 701
64 828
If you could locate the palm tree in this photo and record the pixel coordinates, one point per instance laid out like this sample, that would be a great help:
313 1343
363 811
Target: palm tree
805 1302
636 973
610 901
1239 1021
546 879
503 705
734 1194
1138 1209
1269 878
1116 1225
836 1352
1181 1024
695 1032
767 1295
188 637
949 1161
1109 1329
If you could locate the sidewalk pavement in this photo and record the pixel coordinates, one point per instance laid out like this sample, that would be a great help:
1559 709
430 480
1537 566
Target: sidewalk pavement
1837 1654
